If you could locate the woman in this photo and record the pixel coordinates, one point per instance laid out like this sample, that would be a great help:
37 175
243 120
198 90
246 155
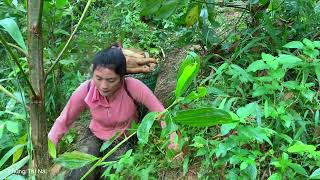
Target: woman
110 97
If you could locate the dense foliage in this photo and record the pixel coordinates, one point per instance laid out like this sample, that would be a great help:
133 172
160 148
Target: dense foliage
258 60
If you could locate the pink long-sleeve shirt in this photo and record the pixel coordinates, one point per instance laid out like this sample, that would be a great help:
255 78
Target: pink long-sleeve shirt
108 116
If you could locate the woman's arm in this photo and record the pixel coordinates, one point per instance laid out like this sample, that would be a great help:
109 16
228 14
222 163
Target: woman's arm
70 113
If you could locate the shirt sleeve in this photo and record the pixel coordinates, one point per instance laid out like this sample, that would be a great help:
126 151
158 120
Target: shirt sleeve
70 113
141 93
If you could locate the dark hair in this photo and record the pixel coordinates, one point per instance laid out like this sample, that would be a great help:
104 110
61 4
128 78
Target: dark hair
111 58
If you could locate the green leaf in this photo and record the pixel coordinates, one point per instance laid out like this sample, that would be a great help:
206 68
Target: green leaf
275 176
288 61
203 117
12 28
316 44
308 43
13 168
185 164
192 16
61 3
52 149
2 126
15 177
190 58
316 118
75 159
299 147
315 174
317 71
270 60
167 8
226 128
294 44
13 126
144 128
16 156
298 169
150 7
10 153
257 65
184 80
106 144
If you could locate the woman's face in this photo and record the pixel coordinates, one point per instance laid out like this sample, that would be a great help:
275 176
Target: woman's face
107 81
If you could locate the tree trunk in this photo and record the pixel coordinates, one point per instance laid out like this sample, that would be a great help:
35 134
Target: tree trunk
37 104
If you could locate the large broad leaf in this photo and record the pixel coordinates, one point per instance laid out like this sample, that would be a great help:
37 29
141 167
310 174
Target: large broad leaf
298 169
144 128
294 44
16 156
193 15
150 6
52 149
13 126
299 147
10 153
75 159
167 8
315 174
288 61
257 65
191 58
204 117
12 28
186 77
13 168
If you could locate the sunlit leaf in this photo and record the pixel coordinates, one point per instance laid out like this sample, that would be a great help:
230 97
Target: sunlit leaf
299 147
12 126
75 159
52 149
16 156
144 128
192 16
294 44
315 174
298 169
13 168
203 117
186 77
12 28
257 65
10 153
275 176
288 61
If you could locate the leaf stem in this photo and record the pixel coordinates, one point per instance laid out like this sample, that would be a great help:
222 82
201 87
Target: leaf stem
15 59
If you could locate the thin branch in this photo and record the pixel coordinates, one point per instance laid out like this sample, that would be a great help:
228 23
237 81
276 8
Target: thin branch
3 89
69 40
15 59
222 4
18 48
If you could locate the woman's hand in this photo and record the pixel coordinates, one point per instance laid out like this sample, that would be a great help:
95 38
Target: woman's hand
138 61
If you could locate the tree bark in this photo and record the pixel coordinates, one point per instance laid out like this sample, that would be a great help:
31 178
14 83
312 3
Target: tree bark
37 104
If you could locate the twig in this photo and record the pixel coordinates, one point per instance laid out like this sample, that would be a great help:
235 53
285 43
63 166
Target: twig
69 40
15 59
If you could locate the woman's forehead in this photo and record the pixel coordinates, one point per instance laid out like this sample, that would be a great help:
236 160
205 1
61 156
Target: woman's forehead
105 72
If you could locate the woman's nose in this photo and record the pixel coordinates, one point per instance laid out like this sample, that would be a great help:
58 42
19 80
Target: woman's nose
104 85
